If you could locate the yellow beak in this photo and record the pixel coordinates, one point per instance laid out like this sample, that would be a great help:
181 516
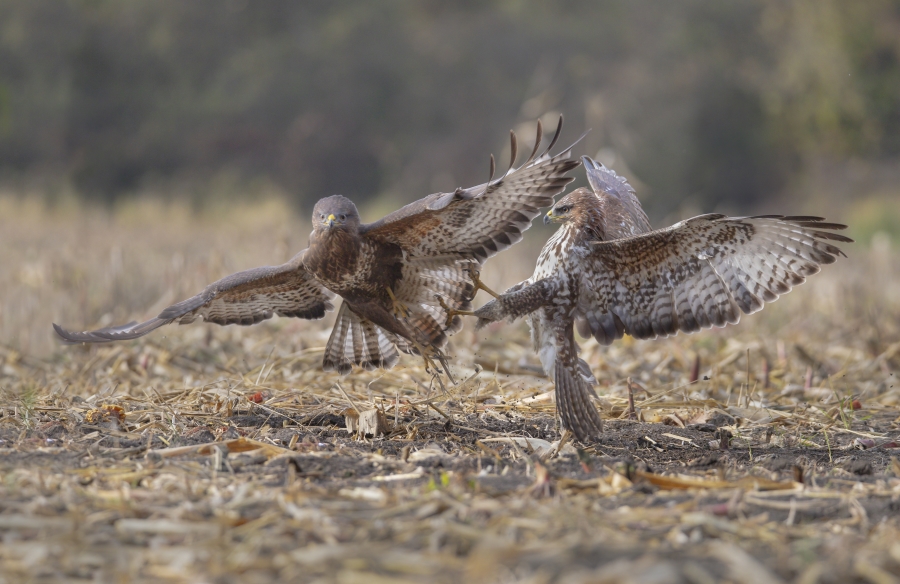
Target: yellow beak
330 220
548 217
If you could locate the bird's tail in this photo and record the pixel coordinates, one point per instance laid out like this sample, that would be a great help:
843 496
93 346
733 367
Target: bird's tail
357 341
573 403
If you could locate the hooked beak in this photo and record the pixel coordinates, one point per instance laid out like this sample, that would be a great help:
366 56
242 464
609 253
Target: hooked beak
548 217
329 221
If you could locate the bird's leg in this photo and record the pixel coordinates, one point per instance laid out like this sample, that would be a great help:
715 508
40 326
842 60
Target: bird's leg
399 308
451 312
425 354
443 360
479 285
437 375
429 354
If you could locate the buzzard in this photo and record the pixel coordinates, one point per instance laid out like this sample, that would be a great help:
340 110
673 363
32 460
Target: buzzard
607 274
388 273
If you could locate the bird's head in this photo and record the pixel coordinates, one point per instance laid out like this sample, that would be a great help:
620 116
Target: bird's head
582 211
335 212
566 210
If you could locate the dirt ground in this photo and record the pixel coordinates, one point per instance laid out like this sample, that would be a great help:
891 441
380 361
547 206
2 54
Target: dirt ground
764 452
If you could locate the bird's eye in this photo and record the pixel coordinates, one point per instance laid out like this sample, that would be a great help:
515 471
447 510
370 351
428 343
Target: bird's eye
343 217
563 209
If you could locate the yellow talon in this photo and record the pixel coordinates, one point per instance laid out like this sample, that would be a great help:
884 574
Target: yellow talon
451 312
399 308
479 285
430 366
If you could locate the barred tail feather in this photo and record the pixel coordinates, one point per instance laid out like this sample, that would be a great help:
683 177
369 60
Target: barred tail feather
357 341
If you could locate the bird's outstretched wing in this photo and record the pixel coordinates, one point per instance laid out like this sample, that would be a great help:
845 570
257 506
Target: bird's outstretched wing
244 298
699 273
480 221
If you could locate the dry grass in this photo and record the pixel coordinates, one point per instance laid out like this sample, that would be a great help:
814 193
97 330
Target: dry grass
219 454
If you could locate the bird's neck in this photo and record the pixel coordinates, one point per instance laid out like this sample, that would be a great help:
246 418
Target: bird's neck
332 251
590 225
334 237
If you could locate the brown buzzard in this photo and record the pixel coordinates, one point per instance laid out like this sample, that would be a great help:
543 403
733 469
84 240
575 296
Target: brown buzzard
607 274
389 273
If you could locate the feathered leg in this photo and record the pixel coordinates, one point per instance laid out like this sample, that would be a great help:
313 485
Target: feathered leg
518 301
573 393
573 404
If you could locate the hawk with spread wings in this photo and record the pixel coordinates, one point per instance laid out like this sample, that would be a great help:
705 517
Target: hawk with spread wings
399 277
606 273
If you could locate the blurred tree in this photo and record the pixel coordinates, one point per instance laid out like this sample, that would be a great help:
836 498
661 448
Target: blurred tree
719 103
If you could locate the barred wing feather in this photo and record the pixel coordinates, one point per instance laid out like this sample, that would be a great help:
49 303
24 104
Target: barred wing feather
699 273
243 298
480 221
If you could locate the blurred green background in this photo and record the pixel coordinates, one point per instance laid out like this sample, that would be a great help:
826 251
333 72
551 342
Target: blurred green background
739 106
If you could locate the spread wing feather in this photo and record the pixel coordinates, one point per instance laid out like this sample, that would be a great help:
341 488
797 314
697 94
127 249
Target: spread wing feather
426 284
243 298
625 209
480 221
699 273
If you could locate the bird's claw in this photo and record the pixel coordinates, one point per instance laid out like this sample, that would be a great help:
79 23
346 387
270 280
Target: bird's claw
479 285
429 355
451 312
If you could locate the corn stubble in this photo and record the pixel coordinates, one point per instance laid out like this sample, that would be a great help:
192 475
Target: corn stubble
762 452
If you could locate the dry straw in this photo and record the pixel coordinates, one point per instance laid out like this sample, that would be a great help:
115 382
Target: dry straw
221 454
